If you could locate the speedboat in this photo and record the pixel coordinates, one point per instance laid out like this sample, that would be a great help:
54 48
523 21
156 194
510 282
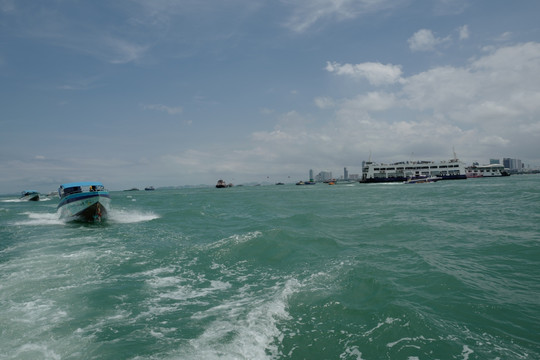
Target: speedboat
222 184
30 195
306 182
84 201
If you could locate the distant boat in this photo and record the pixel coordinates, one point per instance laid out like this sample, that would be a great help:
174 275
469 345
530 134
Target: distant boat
280 183
84 201
132 189
222 184
149 188
30 195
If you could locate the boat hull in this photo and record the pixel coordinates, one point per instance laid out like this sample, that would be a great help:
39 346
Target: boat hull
404 179
31 197
86 206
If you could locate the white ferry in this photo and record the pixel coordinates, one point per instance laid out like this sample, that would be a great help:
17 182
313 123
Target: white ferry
401 171
493 170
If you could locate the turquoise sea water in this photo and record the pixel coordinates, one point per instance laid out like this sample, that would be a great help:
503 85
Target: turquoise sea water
449 270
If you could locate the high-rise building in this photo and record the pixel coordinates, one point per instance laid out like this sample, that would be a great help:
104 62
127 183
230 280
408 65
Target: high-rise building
311 175
512 164
345 174
494 161
324 176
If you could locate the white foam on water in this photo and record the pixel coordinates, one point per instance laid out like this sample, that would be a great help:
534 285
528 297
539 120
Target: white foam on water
13 200
246 327
466 352
235 240
350 352
35 351
115 216
41 199
188 292
408 340
29 321
36 219
131 216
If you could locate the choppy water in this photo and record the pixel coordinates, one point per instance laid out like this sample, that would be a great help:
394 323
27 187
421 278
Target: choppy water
449 270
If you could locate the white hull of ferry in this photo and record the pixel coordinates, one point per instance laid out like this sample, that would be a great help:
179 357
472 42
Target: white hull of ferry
493 170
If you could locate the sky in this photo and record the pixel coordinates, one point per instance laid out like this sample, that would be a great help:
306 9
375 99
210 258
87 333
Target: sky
135 93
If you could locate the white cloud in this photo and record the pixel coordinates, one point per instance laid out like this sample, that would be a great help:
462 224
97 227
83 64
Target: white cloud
324 102
463 32
373 101
488 105
424 40
7 6
375 73
450 7
497 91
163 108
504 36
266 111
471 108
120 51
306 13
493 140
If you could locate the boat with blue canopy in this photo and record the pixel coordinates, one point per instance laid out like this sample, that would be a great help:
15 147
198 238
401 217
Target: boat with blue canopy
30 195
84 201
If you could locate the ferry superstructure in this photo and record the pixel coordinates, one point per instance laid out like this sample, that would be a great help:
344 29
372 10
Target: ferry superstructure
401 171
492 170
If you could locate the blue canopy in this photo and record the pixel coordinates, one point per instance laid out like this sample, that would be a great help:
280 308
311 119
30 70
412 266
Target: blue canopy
85 183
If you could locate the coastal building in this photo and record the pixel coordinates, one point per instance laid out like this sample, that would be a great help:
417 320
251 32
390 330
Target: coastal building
513 164
324 176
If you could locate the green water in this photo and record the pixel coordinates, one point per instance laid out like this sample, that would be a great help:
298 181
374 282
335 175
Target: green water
449 270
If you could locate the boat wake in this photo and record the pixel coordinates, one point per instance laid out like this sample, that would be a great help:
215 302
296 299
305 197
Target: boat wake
40 219
12 200
115 216
41 199
130 216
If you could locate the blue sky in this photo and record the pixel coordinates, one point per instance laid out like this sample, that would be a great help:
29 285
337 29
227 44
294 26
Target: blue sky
135 93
